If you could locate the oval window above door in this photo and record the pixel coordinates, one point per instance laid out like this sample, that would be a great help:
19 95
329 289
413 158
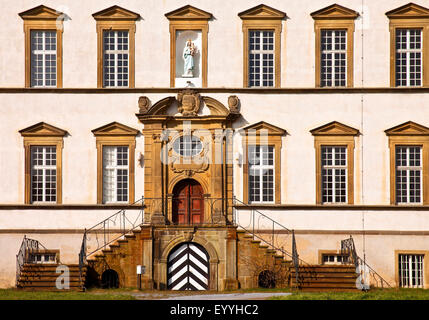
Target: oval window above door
188 146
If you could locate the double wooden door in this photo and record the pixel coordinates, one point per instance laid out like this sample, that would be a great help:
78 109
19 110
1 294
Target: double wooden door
188 202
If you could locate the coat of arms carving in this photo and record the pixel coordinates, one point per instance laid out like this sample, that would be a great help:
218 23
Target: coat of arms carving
189 102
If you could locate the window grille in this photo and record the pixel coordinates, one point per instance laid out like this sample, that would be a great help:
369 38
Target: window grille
334 174
333 58
43 174
115 174
116 59
408 174
261 173
43 58
410 271
261 58
408 67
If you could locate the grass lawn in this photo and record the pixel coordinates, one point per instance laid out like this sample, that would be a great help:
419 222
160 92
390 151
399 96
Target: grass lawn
373 294
15 294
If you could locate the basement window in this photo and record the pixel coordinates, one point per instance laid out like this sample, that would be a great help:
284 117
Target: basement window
334 258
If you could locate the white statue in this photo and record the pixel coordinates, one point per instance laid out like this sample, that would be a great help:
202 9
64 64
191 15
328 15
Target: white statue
188 55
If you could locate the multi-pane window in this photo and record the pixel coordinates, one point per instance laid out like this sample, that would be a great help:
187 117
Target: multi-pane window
261 58
333 58
408 174
115 59
43 174
411 270
334 174
115 174
43 58
188 146
334 258
261 173
408 66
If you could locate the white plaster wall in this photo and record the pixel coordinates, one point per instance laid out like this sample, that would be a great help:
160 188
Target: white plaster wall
225 41
296 113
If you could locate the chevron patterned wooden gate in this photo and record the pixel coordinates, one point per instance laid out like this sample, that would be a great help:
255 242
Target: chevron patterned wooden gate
188 268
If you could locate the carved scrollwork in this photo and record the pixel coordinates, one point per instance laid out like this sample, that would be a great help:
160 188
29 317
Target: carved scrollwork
189 102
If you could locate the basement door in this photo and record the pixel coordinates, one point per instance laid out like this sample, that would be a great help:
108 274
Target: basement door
188 268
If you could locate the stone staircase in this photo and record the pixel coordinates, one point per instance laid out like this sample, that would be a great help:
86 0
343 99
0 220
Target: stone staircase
43 277
325 278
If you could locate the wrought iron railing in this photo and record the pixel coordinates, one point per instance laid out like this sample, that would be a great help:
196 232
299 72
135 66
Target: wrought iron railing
367 276
256 223
28 246
125 221
109 230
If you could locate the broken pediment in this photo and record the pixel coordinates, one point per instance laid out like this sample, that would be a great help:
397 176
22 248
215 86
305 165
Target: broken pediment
262 125
334 11
408 129
115 129
41 13
42 129
188 12
410 10
334 128
116 13
262 11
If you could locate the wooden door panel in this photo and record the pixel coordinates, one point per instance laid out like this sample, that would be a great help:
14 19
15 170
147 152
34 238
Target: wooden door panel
188 203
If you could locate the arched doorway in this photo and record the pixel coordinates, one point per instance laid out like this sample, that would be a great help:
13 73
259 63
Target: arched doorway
109 279
188 267
188 202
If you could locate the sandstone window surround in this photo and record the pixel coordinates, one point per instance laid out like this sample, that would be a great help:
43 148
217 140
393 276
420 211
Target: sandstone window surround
116 19
188 18
409 134
338 22
265 135
117 135
258 20
412 268
43 135
335 134
405 19
46 21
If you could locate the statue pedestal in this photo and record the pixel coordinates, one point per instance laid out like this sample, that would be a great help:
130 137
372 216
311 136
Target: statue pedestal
189 75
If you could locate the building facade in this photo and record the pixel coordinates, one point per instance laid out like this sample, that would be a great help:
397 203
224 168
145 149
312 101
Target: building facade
216 115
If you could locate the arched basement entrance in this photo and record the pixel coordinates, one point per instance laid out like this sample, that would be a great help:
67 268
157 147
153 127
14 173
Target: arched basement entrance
188 267
188 202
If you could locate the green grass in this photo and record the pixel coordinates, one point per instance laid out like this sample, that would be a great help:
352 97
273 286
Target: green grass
373 294
16 294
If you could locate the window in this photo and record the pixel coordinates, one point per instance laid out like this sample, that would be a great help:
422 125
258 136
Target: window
410 270
408 174
408 27
333 58
116 58
188 146
116 144
408 67
334 144
116 29
261 58
261 173
43 58
409 148
43 174
262 27
43 145
334 174
334 259
334 29
43 29
262 143
115 174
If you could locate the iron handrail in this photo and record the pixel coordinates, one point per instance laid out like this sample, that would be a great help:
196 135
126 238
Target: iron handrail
348 248
119 224
27 246
296 260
